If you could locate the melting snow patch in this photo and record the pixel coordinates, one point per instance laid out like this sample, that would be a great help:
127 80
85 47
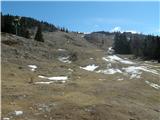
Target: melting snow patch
64 59
6 118
40 76
110 50
156 86
33 67
109 71
70 69
148 70
133 71
120 79
109 65
17 113
101 79
44 82
135 76
90 67
103 58
114 58
59 78
61 50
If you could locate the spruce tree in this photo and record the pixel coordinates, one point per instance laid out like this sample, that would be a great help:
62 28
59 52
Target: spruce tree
27 34
121 44
39 36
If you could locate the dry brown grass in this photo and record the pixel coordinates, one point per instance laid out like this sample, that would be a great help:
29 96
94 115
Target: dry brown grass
85 96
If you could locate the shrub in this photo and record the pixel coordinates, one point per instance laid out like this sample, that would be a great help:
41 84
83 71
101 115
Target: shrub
39 36
73 56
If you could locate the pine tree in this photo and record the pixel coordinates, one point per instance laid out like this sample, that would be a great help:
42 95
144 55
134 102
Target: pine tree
121 44
27 34
39 36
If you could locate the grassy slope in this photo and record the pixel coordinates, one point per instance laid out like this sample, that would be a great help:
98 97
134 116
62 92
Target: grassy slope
83 96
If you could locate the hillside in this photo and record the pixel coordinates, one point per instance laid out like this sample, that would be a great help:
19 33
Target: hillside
68 78
102 39
9 24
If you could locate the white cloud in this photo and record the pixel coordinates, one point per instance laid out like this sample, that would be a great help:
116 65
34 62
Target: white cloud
116 29
119 29
132 31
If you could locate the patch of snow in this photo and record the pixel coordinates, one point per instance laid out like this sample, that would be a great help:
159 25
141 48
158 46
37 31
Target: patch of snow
109 71
6 118
148 65
109 65
115 58
110 50
133 71
17 113
70 69
101 79
63 81
135 76
44 82
33 67
90 67
120 79
149 70
40 76
147 61
126 62
61 50
143 68
64 59
103 58
156 86
59 78
91 58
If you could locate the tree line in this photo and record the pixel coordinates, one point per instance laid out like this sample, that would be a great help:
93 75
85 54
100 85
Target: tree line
21 25
144 46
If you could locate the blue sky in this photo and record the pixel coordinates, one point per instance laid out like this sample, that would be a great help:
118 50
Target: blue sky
92 16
